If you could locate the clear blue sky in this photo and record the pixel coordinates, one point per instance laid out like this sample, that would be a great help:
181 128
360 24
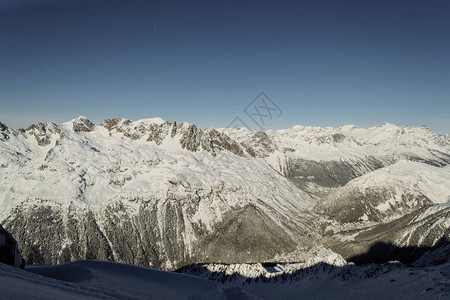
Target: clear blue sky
324 63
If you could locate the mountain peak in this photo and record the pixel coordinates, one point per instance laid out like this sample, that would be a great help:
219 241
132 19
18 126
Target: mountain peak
3 127
389 125
155 120
82 124
349 127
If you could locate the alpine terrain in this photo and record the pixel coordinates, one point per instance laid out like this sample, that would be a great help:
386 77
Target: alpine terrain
232 206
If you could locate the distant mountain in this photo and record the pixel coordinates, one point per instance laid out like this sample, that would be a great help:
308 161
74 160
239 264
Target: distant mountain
316 158
166 194
388 193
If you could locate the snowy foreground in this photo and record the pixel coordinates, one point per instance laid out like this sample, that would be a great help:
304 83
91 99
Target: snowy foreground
106 280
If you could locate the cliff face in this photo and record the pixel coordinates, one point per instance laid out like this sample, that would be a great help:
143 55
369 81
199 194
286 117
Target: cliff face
9 251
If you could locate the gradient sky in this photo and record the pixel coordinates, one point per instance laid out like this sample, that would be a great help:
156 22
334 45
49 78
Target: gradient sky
324 63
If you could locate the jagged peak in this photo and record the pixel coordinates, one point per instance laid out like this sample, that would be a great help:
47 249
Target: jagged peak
111 124
41 126
3 127
82 124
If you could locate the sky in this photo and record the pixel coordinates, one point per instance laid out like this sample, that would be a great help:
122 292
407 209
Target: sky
321 63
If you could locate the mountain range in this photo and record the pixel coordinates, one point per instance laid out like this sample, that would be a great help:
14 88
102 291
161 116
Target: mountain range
167 195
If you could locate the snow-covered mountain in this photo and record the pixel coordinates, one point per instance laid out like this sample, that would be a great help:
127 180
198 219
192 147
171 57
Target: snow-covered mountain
317 159
161 194
388 193
149 192
403 205
404 239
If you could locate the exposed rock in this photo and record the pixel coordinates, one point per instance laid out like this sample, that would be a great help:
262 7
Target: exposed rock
4 136
158 133
111 124
261 144
338 137
9 251
81 124
3 127
191 138
42 132
174 129
222 141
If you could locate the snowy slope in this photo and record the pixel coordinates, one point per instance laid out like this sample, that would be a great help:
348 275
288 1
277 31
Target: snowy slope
391 281
388 193
324 281
103 280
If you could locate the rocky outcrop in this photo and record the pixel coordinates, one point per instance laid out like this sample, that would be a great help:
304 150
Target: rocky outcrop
111 124
3 132
3 127
9 251
81 124
42 132
190 136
